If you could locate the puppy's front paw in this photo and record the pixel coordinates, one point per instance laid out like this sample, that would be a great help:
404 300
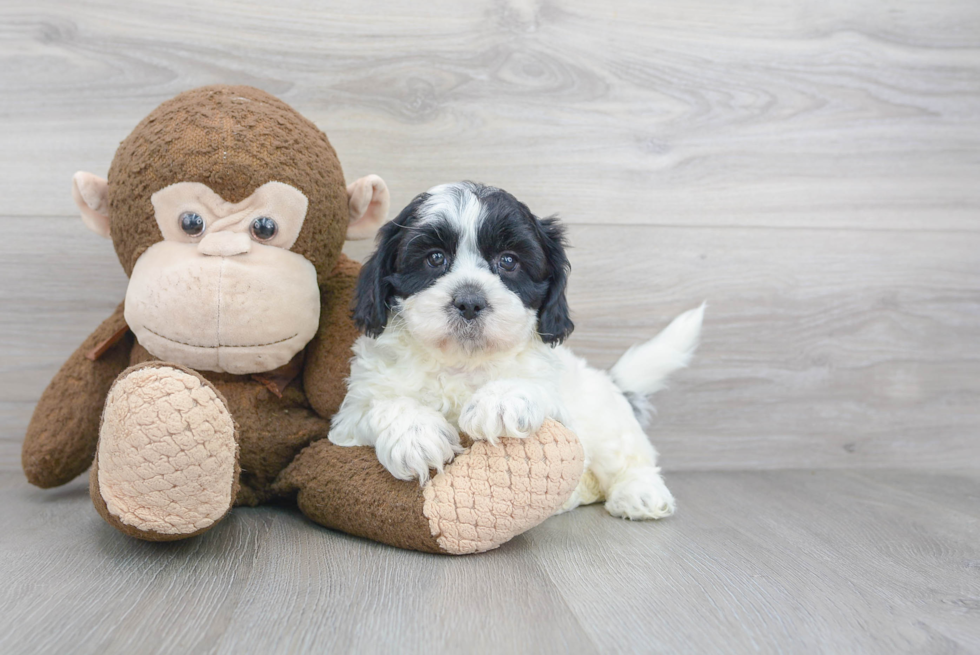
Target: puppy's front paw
415 442
500 409
640 495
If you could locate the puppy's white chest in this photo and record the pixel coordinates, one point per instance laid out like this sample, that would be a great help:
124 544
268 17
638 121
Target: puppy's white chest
451 390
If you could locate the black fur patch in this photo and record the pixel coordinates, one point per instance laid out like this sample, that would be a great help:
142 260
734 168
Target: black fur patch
539 245
399 267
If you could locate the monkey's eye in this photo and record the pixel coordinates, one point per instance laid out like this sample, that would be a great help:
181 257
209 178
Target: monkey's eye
192 224
508 262
264 228
435 259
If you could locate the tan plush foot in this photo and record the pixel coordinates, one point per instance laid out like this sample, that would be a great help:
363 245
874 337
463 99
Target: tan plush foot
166 464
490 494
485 497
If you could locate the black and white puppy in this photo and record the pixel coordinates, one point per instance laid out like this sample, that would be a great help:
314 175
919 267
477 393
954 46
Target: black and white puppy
464 309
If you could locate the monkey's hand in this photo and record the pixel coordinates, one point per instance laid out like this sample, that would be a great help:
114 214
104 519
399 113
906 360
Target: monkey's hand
64 431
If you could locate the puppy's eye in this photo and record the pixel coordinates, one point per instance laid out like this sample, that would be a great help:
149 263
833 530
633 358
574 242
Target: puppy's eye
191 223
435 259
264 228
508 262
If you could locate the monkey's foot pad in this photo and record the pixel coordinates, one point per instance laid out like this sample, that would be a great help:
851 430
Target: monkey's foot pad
167 453
492 493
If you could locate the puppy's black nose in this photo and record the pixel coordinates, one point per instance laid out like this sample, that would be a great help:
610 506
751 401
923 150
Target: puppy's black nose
470 302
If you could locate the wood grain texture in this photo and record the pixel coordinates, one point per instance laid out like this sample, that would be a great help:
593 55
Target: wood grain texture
809 169
822 348
828 154
796 562
835 114
791 561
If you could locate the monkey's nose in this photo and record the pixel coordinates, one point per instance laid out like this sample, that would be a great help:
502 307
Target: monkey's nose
224 244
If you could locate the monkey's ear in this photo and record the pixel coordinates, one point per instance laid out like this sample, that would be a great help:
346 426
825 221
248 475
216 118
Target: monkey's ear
91 194
367 204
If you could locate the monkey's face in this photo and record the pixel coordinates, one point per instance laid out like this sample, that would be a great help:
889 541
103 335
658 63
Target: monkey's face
249 200
222 291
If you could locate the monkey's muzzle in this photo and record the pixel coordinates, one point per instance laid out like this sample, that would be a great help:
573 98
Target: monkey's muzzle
241 314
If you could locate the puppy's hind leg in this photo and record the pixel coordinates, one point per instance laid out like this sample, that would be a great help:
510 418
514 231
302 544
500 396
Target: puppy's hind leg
635 489
638 494
625 465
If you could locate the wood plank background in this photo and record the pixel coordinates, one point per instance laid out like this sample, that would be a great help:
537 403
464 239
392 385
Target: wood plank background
760 561
811 169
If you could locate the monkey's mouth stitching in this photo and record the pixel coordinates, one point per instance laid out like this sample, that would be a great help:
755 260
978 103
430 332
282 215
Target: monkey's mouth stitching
194 345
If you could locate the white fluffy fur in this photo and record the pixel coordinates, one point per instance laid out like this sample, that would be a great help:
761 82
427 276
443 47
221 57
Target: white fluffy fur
413 388
643 369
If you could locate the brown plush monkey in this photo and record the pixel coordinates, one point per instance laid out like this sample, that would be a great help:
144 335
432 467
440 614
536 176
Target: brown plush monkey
213 383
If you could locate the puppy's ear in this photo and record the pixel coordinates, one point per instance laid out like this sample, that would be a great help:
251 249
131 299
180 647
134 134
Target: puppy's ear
374 290
554 322
369 308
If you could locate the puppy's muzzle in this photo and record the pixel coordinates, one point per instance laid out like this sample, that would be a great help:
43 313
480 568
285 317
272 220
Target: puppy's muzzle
469 301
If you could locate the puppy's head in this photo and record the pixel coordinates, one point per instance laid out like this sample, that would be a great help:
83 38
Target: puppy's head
467 267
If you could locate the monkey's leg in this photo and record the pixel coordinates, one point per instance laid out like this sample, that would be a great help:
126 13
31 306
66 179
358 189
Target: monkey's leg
166 465
484 498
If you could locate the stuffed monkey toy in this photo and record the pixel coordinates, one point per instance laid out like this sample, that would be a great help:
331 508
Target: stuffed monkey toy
213 383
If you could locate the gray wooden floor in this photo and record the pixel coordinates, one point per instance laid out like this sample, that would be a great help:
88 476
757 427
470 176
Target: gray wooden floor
770 561
810 169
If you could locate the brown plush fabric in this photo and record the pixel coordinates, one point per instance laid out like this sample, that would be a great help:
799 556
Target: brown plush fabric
64 430
484 498
328 354
233 139
271 430
347 489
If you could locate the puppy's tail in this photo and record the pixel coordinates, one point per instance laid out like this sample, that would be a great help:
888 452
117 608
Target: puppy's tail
644 368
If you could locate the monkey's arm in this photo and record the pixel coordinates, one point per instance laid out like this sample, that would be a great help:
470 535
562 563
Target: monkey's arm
64 430
329 353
